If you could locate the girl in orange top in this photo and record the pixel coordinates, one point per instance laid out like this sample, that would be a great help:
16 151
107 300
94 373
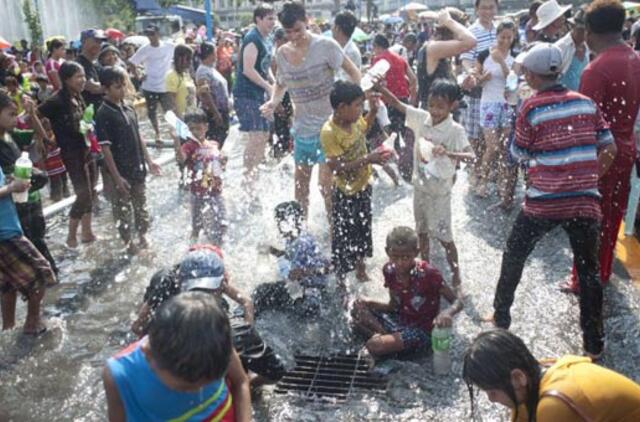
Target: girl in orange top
571 389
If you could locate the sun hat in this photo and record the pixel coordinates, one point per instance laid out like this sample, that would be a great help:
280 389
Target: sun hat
548 12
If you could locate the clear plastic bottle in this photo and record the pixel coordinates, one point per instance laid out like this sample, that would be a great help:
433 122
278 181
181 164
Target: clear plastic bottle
440 342
22 172
378 70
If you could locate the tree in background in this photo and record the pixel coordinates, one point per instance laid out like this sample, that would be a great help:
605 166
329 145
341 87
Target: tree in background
32 17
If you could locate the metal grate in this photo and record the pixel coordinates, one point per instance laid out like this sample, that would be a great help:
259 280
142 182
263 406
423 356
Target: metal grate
330 378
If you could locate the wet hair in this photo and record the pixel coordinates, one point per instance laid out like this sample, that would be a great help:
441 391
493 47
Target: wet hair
442 32
284 210
67 70
292 12
477 3
112 75
279 34
190 337
5 100
262 11
410 38
346 21
206 49
402 237
381 41
488 364
605 17
54 44
510 25
533 7
344 92
445 88
196 117
181 51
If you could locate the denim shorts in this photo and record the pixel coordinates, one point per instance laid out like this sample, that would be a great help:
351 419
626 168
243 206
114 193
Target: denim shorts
307 151
495 115
249 116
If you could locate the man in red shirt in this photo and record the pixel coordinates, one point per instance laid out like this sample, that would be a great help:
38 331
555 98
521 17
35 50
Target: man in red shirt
612 80
402 83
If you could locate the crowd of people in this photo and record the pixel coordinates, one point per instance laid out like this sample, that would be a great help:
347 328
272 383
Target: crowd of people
551 98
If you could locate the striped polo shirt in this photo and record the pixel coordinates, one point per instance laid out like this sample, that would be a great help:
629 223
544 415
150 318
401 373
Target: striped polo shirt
558 136
484 40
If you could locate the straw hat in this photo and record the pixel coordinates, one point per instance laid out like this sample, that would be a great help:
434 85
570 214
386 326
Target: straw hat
548 12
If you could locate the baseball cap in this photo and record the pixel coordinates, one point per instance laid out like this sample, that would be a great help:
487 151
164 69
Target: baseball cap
201 269
151 29
97 34
543 59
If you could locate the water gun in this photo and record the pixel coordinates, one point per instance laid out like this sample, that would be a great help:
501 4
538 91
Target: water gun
87 129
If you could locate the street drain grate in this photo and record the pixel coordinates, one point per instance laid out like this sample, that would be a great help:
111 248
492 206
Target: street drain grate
330 378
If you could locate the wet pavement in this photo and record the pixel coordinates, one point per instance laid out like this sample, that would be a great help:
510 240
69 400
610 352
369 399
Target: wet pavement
57 376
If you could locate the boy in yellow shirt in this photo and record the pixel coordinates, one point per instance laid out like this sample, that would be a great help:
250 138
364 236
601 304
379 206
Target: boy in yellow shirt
343 140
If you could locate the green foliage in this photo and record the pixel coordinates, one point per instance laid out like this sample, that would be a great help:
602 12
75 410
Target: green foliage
33 22
116 13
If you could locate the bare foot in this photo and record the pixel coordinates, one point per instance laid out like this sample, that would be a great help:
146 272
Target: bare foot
143 243
132 249
72 242
89 238
36 330
567 287
490 318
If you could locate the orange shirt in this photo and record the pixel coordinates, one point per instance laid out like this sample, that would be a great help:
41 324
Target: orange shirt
601 394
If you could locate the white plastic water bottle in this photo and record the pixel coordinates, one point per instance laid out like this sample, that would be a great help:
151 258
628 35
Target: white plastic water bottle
377 71
512 81
22 172
440 342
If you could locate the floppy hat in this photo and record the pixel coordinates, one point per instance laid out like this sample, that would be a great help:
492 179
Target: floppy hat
543 59
201 269
548 12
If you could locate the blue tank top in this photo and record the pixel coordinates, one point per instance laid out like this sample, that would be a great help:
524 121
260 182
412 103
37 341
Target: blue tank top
9 223
146 398
244 87
571 78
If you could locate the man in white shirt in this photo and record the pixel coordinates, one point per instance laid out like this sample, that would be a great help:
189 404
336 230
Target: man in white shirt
156 59
344 25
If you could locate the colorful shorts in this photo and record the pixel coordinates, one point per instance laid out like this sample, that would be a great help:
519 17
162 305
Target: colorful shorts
23 267
307 151
495 115
412 337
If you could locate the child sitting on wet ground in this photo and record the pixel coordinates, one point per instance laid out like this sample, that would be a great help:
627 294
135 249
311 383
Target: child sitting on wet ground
404 324
343 139
185 369
202 269
205 164
445 143
302 267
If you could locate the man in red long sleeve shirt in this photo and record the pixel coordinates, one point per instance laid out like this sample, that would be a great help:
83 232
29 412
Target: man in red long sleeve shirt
612 80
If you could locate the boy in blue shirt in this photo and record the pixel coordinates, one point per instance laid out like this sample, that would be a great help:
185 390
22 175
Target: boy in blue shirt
301 265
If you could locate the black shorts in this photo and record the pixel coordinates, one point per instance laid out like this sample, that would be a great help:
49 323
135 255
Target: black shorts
351 240
256 356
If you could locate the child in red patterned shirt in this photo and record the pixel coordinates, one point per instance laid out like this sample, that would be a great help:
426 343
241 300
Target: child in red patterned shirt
415 287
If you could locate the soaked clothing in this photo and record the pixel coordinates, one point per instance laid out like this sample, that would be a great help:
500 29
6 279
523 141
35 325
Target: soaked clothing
413 337
92 73
255 355
395 77
419 301
243 86
146 398
443 70
600 393
23 268
9 223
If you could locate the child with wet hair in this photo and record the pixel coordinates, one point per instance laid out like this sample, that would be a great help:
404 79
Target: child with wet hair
433 175
301 264
404 323
185 369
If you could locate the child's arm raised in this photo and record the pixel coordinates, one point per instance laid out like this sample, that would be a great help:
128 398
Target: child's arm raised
391 99
372 98
444 318
239 386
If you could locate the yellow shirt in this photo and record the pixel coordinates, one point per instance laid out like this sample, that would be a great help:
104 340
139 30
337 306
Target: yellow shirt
348 146
601 394
185 90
